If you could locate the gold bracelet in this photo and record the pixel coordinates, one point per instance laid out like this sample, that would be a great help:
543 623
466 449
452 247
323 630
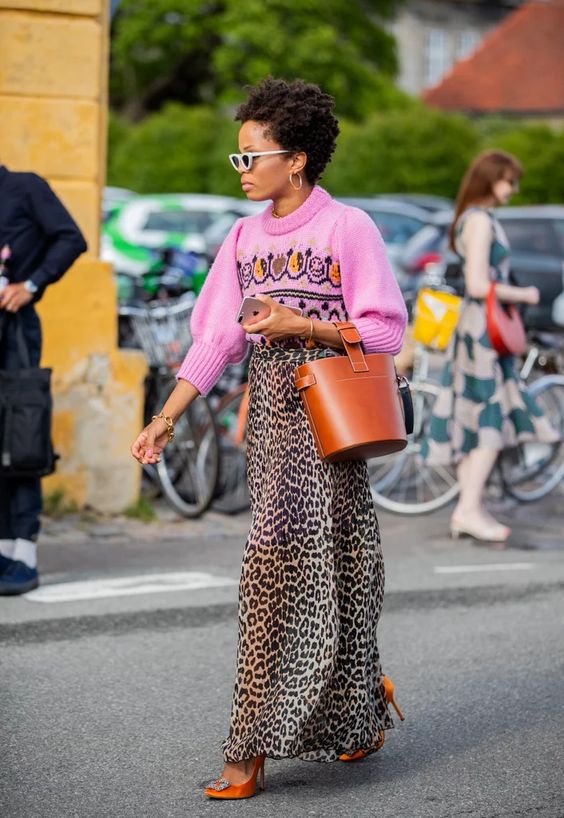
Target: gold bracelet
169 424
310 329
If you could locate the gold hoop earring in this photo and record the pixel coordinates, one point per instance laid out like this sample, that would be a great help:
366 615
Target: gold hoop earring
299 187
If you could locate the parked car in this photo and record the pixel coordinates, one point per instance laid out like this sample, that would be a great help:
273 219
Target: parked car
216 232
427 201
112 200
536 237
397 222
136 235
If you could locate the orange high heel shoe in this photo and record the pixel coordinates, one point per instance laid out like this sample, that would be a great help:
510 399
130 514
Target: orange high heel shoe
389 689
223 789
360 754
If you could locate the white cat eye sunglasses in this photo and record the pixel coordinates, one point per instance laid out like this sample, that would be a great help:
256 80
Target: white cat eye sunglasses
244 161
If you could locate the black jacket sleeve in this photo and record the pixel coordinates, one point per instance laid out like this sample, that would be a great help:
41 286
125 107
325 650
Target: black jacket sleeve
65 241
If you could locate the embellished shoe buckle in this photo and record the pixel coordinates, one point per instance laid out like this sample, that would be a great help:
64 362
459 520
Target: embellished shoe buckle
219 785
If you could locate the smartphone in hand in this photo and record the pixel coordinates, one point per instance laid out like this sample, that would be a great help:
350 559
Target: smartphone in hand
253 309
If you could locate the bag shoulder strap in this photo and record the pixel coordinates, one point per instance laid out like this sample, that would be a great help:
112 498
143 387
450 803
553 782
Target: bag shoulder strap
23 351
24 359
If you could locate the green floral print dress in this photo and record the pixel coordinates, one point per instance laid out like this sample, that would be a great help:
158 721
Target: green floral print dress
481 403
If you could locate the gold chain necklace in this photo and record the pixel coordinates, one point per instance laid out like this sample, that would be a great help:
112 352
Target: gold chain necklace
275 214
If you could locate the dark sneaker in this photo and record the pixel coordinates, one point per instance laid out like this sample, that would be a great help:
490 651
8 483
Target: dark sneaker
5 563
18 578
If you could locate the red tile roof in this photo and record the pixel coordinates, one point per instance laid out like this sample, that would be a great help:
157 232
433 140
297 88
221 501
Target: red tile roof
519 66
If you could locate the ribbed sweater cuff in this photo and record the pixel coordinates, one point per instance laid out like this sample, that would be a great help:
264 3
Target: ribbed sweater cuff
202 366
379 336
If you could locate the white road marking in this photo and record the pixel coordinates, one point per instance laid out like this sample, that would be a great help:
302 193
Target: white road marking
127 586
492 566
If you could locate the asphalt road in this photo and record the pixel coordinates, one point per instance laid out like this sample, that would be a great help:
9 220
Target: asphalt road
117 707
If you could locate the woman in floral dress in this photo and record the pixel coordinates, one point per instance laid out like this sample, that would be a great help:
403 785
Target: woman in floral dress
481 407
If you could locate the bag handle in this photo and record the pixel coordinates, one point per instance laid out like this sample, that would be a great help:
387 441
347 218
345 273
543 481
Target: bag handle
23 351
24 360
352 343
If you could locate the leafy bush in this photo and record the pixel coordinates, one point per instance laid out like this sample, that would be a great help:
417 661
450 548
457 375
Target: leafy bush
541 151
167 152
416 150
410 149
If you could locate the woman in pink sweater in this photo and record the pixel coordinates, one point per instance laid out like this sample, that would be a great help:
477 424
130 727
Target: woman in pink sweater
309 682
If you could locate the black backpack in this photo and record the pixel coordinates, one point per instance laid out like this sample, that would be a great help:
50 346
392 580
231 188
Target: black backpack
26 409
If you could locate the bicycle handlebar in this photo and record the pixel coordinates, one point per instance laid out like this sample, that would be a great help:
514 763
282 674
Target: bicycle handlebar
185 305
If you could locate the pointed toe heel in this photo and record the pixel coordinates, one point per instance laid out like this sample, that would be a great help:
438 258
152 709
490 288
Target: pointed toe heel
222 789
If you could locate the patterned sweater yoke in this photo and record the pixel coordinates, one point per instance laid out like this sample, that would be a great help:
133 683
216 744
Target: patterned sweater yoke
326 258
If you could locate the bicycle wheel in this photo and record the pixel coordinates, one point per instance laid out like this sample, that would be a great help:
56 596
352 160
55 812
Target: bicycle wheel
532 470
189 465
150 482
383 471
232 493
404 483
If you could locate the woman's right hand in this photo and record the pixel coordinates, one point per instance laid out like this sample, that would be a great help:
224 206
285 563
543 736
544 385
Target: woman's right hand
531 295
150 443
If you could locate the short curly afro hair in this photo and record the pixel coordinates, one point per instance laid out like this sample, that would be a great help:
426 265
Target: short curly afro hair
299 116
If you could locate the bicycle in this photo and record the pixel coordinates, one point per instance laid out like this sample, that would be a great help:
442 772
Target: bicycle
232 495
406 484
188 469
532 470
403 483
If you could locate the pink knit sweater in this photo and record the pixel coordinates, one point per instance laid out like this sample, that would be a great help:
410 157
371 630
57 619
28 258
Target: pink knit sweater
325 257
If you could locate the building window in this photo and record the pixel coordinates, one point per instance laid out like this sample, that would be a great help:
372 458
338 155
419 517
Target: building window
466 42
436 55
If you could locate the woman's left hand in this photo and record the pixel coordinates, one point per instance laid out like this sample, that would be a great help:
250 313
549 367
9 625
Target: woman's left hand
281 323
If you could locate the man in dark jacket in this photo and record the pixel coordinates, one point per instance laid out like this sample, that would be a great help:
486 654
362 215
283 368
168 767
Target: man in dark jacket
43 241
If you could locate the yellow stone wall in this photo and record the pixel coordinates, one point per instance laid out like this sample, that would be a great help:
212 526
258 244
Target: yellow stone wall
53 109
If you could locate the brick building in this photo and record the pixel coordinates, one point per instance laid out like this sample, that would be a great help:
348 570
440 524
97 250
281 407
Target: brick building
518 69
432 35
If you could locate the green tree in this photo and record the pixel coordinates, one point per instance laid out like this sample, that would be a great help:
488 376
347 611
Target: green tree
168 152
198 51
540 149
118 130
416 150
184 149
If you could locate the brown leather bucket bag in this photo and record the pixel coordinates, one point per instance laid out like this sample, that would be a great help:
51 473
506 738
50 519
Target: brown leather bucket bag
353 402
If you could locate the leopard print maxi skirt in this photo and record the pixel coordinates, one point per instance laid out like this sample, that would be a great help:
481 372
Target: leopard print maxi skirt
308 681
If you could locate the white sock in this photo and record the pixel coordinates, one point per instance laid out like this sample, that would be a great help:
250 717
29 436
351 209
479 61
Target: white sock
7 548
26 552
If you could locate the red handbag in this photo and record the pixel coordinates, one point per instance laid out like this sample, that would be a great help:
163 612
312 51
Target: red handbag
505 325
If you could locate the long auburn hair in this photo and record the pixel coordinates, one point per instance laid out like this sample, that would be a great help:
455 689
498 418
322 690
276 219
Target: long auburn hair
486 169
